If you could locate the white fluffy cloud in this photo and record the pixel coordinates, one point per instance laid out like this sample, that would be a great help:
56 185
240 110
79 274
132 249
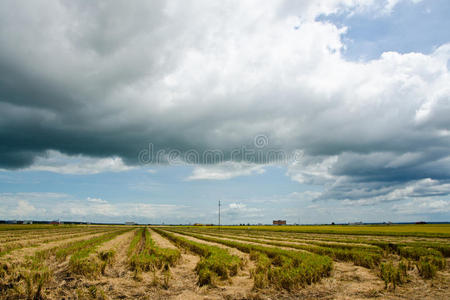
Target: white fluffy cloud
238 212
96 200
226 170
423 207
57 162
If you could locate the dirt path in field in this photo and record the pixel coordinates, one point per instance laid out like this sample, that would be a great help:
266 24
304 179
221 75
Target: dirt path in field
239 287
183 284
116 283
162 241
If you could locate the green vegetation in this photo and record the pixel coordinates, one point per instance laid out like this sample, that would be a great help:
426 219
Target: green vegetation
144 255
413 249
82 263
393 275
363 251
417 252
93 293
215 262
283 269
367 243
429 265
366 257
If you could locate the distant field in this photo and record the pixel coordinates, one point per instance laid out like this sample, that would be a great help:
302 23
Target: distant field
9 227
433 230
231 262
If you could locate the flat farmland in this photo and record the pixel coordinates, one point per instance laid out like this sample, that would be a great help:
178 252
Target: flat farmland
230 262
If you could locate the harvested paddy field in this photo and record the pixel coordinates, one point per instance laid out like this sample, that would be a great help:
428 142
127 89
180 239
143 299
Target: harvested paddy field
231 262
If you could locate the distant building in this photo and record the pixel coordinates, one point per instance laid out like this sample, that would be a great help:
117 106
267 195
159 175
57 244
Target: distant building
279 222
130 223
356 223
57 222
27 222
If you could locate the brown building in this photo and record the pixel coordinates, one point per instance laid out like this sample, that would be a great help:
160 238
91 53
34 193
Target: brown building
279 222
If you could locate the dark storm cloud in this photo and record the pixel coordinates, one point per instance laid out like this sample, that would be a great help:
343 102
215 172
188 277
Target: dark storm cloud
107 78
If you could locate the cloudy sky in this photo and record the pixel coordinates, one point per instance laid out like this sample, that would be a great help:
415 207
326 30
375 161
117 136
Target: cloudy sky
152 111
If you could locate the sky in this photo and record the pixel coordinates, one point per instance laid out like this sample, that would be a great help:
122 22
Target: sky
153 111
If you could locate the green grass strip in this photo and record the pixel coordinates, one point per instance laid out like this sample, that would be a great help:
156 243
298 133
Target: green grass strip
359 257
283 268
215 262
145 255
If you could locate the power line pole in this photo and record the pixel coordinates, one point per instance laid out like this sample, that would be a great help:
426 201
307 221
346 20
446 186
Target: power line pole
219 214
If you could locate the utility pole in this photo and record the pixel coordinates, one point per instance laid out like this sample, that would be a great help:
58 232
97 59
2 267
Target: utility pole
219 214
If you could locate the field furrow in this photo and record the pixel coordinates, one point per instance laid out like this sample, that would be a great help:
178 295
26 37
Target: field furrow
368 257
